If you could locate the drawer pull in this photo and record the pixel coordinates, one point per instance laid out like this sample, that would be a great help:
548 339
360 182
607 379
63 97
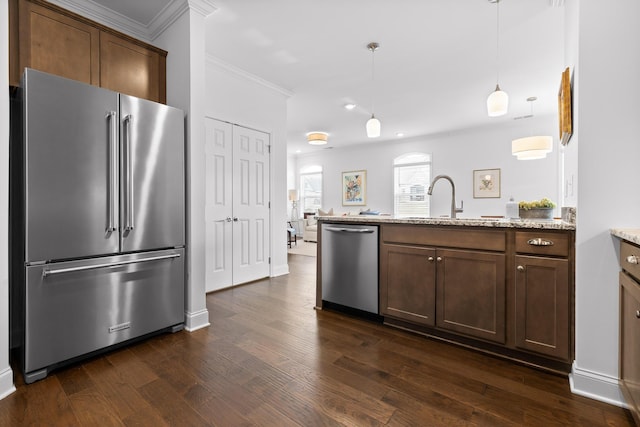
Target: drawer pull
520 268
638 314
540 242
632 259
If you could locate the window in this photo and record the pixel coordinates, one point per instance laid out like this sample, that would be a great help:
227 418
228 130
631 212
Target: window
311 188
411 176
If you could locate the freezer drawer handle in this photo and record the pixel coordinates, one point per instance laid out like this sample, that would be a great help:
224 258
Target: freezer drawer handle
350 230
46 272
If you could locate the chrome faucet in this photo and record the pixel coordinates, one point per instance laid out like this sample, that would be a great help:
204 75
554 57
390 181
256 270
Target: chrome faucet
454 210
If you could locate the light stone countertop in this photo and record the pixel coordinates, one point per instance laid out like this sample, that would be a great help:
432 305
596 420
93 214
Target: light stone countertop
469 222
629 234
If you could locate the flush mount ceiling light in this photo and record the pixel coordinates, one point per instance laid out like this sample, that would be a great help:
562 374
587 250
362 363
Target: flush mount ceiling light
317 138
373 124
531 147
498 101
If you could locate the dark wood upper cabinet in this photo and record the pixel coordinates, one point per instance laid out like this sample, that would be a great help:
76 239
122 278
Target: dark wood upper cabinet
130 68
54 40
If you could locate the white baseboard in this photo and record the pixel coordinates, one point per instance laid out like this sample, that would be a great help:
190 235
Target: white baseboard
6 383
196 320
279 270
596 386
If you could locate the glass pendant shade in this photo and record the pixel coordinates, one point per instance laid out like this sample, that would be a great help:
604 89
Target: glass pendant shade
532 147
497 103
373 127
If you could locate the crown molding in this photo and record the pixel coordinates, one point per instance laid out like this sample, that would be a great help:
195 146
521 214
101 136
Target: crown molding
232 69
143 31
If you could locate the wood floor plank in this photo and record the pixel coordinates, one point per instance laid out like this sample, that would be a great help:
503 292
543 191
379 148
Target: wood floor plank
270 359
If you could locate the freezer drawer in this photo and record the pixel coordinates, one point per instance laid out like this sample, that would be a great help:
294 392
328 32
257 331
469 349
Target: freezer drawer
77 307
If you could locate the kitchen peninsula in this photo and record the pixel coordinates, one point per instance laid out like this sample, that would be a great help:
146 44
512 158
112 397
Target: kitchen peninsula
504 287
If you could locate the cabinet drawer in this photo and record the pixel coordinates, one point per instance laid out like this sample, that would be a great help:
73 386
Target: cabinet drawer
543 243
629 259
467 238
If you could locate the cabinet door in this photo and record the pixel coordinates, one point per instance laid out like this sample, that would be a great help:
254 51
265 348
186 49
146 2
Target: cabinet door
542 305
471 293
630 343
131 69
57 44
407 283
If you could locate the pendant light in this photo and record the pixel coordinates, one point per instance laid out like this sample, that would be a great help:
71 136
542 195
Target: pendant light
373 124
498 101
532 147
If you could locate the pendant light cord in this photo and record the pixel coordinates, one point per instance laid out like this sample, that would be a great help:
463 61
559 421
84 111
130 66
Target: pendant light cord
497 42
373 78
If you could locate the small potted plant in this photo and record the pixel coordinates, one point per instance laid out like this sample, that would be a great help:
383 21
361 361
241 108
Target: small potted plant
537 209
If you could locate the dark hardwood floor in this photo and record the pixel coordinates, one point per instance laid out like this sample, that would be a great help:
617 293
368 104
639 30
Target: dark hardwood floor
270 359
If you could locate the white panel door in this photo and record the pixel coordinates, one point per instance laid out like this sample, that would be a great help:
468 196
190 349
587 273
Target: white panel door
236 206
250 205
218 205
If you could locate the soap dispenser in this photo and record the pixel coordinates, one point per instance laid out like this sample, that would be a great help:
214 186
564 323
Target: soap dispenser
513 211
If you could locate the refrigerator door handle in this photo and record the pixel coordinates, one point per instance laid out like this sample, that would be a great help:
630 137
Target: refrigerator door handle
113 170
47 272
129 174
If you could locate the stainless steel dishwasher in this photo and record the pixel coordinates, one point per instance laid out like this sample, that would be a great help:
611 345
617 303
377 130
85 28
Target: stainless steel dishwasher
350 266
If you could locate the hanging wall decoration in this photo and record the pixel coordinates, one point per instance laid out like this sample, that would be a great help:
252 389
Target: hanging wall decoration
564 107
486 183
354 187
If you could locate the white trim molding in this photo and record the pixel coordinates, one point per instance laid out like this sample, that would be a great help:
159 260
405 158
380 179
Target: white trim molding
233 70
145 31
6 383
196 320
596 386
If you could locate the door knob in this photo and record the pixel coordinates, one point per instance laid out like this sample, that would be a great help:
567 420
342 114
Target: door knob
235 219
228 219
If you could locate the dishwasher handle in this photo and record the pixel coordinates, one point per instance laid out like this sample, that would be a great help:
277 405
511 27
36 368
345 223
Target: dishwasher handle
350 230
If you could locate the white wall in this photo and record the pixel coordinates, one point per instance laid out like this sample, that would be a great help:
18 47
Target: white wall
6 374
242 99
607 83
456 154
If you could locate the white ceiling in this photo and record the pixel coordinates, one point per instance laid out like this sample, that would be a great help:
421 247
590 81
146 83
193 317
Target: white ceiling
433 72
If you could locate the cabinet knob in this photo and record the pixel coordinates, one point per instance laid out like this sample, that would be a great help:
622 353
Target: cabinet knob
632 259
430 259
520 268
638 314
439 259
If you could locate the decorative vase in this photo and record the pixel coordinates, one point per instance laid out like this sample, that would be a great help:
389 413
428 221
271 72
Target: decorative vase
536 213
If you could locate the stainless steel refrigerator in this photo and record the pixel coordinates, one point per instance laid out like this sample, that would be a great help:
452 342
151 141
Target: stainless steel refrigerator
97 220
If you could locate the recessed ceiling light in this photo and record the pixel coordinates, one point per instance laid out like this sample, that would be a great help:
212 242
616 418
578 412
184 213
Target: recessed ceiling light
298 151
399 134
349 106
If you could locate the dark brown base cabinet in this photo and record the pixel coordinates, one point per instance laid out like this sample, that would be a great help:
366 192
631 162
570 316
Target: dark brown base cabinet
503 291
630 327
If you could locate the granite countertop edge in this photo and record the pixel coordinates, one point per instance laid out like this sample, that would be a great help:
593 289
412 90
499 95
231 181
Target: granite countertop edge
469 222
628 234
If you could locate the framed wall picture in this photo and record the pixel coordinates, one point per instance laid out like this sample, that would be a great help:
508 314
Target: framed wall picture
564 107
486 183
354 188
